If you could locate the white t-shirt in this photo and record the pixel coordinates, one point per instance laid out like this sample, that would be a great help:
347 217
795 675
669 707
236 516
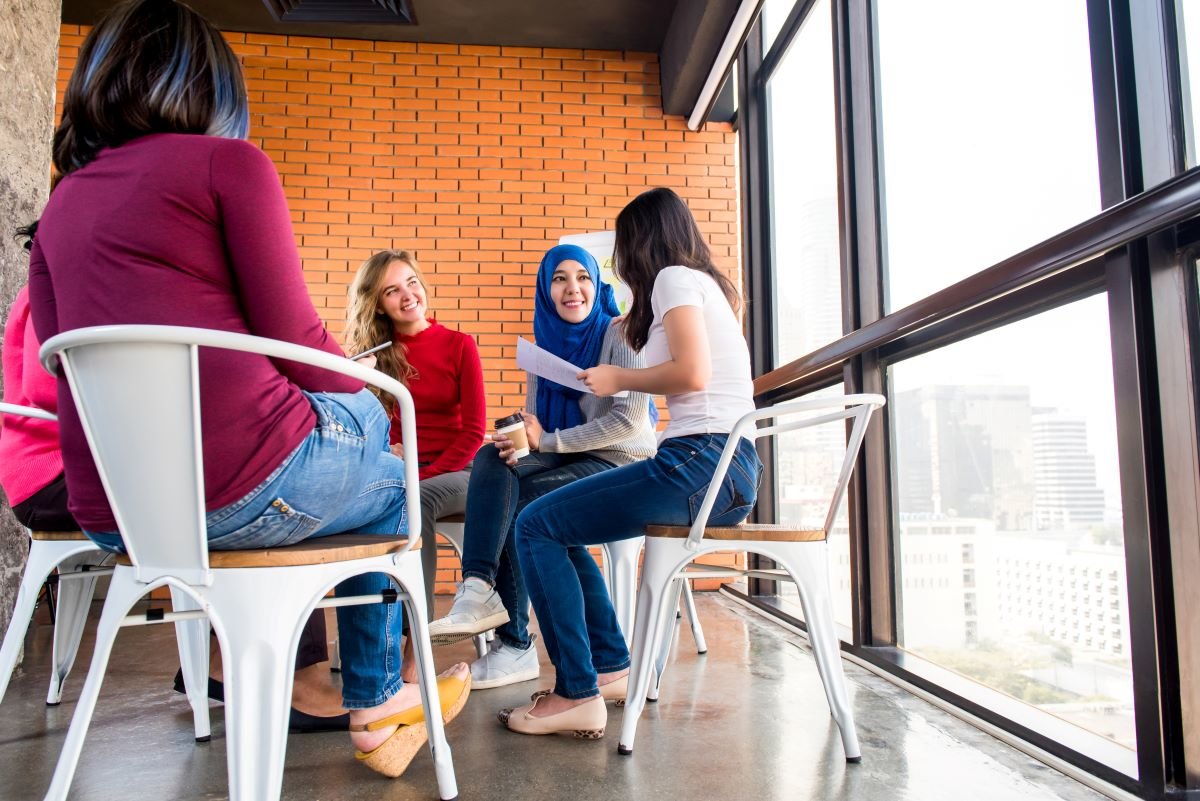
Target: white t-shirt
730 391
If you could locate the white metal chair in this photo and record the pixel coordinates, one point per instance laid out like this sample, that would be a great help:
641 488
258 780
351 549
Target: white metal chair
79 565
801 553
136 390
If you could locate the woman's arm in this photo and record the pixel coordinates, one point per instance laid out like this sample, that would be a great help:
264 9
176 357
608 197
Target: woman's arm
688 369
266 264
627 417
473 404
43 309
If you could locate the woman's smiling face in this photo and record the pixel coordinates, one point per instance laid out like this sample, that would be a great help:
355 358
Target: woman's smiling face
572 291
402 296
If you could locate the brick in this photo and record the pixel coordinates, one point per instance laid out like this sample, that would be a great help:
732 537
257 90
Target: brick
478 157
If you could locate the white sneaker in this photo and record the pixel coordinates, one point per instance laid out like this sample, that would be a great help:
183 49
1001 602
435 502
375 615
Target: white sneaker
503 664
477 608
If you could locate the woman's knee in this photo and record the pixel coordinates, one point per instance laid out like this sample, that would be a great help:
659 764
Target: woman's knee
487 460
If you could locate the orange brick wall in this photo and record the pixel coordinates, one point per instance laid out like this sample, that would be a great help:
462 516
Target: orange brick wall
477 157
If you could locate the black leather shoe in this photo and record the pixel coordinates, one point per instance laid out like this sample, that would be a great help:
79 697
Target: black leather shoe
298 722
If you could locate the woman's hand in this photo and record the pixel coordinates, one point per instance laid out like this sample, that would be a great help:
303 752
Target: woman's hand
533 430
398 449
505 447
603 379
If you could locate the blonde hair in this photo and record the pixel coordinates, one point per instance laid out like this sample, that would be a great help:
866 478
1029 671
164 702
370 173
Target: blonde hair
367 326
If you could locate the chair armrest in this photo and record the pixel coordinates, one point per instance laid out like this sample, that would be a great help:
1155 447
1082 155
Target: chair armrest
27 411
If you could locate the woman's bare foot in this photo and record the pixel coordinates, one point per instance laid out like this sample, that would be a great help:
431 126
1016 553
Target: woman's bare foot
409 696
314 694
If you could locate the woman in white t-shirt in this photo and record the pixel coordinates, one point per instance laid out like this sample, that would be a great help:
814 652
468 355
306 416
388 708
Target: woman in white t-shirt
684 318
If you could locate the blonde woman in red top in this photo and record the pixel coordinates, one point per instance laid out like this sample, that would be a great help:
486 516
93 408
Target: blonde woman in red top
389 300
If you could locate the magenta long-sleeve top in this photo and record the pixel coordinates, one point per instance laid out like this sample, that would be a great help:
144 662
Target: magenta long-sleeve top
175 229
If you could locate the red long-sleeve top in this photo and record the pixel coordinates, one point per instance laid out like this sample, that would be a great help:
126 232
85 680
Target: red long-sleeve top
448 396
175 229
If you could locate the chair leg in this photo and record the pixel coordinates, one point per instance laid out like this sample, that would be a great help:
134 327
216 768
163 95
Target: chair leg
408 573
192 638
123 592
653 612
74 600
620 572
481 644
810 569
335 656
257 654
41 561
689 605
666 638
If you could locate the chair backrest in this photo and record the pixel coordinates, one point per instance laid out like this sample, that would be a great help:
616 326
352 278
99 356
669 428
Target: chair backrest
136 389
801 414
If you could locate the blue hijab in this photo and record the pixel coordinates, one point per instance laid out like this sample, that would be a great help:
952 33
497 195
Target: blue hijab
579 343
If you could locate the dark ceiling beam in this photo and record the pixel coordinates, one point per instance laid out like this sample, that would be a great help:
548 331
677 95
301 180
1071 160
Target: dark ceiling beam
637 25
696 33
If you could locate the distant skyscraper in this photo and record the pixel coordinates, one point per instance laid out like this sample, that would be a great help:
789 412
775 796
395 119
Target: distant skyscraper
1066 493
966 451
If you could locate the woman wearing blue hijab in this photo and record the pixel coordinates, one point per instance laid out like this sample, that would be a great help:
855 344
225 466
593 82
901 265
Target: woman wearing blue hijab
571 435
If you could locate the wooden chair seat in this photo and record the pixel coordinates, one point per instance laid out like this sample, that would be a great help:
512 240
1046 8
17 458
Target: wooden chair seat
746 532
58 536
318 551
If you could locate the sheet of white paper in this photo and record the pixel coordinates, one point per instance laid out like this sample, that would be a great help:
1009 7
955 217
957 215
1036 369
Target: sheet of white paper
544 364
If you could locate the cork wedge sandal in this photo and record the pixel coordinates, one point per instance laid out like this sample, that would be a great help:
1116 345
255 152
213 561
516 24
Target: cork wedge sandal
393 755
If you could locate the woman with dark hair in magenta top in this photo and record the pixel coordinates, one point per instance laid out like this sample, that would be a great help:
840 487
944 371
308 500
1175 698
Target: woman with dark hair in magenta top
165 215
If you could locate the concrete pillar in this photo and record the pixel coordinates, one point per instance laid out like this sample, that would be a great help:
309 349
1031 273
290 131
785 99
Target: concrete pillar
29 32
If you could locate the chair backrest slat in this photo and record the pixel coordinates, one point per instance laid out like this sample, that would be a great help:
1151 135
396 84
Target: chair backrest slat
138 403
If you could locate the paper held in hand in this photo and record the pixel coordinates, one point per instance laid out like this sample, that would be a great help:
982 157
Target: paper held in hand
544 364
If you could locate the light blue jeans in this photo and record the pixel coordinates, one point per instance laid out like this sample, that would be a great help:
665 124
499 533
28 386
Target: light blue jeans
570 599
342 479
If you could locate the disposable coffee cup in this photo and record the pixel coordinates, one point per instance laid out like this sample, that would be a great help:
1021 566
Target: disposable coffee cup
513 427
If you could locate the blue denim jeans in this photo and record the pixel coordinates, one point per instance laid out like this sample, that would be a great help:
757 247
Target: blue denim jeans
342 479
496 495
574 611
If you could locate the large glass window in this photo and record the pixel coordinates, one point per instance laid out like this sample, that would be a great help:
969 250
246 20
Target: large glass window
1010 559
1188 22
988 140
805 256
774 14
807 464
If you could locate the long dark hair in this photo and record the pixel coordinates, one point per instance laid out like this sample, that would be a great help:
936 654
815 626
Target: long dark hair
149 66
27 232
654 231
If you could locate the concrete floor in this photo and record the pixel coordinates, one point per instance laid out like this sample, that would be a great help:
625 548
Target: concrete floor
746 721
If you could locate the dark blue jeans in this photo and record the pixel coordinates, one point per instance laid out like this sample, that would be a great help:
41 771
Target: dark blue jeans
572 605
496 495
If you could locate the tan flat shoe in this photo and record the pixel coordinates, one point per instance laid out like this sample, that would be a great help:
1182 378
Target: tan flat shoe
586 721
